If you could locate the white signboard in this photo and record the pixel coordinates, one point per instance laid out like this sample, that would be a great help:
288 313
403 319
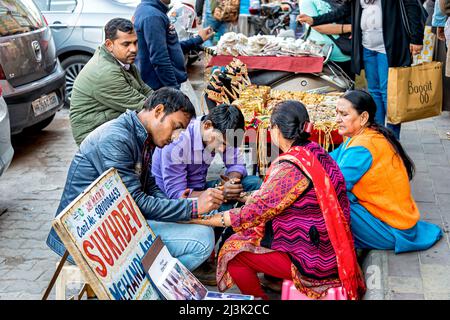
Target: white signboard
107 236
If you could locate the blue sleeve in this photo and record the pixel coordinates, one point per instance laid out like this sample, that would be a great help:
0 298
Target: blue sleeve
174 169
190 44
234 161
115 153
353 162
155 36
439 18
154 190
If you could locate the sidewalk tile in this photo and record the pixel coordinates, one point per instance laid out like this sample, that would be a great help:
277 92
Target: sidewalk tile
435 278
422 188
406 296
405 284
439 254
437 159
421 165
429 138
433 148
441 179
403 265
429 211
436 296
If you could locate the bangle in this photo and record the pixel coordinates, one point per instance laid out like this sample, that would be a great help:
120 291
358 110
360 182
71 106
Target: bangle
222 219
342 28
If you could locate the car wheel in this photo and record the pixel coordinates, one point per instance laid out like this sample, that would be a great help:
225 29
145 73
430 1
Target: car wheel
73 65
41 125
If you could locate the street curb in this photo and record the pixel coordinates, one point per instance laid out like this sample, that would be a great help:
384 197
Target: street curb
375 269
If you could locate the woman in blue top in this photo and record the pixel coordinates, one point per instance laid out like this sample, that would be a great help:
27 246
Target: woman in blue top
377 171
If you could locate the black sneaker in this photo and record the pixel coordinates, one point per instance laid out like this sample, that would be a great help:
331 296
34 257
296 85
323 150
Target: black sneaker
206 273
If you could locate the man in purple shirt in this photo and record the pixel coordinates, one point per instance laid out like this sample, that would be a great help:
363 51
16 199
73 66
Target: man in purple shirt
180 168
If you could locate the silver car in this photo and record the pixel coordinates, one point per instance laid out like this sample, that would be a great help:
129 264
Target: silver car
32 79
6 149
77 27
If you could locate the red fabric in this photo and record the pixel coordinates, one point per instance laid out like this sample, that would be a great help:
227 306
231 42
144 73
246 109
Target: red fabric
338 229
303 64
245 266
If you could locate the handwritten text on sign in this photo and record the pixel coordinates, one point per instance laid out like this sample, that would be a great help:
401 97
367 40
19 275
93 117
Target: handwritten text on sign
113 236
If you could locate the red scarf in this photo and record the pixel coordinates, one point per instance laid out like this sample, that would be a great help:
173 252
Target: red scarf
338 229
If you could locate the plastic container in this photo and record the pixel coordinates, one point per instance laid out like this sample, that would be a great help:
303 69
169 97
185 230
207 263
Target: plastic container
289 292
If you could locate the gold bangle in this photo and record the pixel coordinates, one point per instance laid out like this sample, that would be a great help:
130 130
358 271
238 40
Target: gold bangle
222 219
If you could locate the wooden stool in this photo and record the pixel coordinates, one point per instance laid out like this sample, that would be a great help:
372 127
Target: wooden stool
67 274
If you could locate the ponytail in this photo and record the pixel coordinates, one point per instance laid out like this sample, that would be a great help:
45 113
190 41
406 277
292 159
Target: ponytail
389 135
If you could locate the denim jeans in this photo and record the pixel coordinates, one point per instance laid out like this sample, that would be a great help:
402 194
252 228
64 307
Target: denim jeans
192 244
377 71
218 26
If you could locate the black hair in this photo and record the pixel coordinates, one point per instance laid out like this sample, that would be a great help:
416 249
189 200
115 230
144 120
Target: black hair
226 117
290 117
117 24
172 99
362 101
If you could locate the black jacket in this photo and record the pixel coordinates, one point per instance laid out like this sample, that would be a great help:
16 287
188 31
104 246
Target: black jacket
160 57
396 38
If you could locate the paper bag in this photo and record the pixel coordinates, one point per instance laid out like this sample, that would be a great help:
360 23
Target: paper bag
415 92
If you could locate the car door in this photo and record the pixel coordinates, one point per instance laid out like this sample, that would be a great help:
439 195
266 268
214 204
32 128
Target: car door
62 17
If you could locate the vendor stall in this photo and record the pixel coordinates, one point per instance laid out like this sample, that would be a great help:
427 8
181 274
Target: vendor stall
269 53
231 85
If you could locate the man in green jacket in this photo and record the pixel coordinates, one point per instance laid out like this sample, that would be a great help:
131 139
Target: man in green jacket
110 83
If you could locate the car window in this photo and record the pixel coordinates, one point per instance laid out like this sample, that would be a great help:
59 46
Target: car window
43 5
131 3
19 16
63 5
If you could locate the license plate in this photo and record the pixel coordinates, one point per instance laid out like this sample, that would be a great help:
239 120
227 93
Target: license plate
44 103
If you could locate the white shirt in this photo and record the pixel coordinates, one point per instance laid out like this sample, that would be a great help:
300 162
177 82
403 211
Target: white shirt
125 66
372 26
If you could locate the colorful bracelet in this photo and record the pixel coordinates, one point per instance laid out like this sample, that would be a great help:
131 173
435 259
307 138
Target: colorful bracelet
222 219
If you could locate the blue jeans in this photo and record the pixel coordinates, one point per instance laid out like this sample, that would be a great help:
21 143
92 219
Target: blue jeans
218 26
377 71
192 244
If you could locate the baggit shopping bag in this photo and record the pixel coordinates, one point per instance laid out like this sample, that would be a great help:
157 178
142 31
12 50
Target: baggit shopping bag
414 92
426 55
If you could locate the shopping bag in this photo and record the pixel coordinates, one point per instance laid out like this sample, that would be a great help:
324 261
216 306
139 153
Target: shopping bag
426 55
414 92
